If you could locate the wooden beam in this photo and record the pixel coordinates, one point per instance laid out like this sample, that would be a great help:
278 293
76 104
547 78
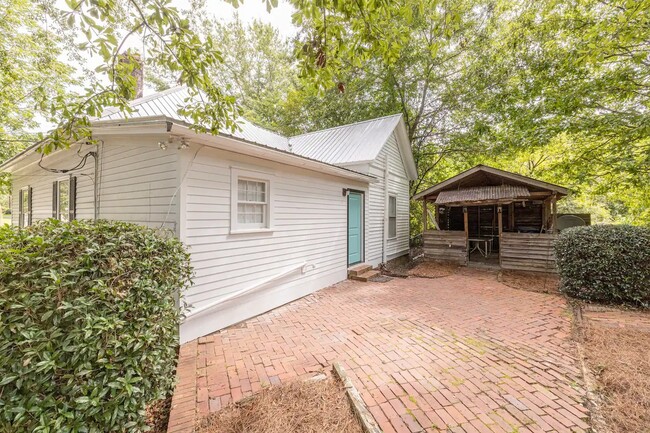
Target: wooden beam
466 223
500 218
554 225
511 216
424 216
437 216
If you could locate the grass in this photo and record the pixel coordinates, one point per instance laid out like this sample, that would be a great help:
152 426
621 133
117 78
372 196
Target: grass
620 360
305 407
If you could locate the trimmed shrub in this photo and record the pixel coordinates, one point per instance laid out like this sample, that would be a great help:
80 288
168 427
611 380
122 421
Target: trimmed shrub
89 324
605 263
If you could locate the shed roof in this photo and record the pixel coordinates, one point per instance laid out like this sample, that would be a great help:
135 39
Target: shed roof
482 175
478 194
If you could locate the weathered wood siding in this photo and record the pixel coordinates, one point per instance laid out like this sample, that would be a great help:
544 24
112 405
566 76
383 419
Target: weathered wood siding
450 246
528 252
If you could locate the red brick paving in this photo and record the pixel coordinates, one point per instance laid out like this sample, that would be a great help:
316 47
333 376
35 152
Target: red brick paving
462 353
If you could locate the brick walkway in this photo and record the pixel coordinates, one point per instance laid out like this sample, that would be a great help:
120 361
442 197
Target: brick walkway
462 353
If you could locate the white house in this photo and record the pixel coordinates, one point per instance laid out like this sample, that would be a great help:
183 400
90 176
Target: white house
267 218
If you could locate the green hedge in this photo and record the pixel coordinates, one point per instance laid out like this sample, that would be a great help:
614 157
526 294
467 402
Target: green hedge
89 324
605 263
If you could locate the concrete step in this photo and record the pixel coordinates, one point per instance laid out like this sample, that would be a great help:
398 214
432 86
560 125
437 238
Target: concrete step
366 275
359 269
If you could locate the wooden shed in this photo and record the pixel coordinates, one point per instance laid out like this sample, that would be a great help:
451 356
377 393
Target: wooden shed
494 217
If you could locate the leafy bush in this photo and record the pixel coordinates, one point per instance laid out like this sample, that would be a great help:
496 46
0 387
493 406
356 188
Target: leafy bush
607 263
89 323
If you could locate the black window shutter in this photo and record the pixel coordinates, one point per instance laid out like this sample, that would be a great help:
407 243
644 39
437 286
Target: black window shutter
29 206
55 190
20 208
73 198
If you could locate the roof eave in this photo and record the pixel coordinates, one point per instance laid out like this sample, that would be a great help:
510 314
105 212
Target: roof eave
404 145
560 190
271 153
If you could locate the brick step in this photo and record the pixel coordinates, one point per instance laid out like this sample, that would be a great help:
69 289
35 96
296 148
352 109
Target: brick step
359 269
366 275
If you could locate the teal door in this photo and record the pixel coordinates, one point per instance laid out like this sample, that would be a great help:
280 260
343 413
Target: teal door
355 227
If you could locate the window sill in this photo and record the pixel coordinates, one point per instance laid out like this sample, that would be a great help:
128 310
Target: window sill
250 231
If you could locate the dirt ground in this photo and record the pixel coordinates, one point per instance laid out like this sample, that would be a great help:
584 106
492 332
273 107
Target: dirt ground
532 281
540 282
617 347
299 407
421 268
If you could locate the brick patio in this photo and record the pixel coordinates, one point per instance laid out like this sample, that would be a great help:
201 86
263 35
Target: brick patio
462 353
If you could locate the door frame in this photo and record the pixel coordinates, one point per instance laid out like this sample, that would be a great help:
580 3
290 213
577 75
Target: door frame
347 225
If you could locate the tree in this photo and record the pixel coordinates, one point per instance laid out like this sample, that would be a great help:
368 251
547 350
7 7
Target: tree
500 81
30 73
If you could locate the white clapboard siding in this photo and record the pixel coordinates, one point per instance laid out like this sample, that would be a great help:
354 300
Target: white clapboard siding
138 181
309 226
41 181
376 206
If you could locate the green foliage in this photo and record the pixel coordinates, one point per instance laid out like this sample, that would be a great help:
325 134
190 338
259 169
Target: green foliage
606 263
30 72
89 324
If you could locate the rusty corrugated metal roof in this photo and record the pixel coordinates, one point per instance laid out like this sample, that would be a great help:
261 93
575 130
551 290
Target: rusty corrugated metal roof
482 194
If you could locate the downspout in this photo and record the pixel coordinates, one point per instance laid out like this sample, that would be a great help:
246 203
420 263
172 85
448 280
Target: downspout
384 234
96 186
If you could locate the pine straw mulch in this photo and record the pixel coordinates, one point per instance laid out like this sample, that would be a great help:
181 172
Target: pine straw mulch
620 360
297 407
532 281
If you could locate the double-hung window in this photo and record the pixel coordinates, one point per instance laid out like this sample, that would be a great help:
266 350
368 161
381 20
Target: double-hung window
64 198
25 207
392 216
252 203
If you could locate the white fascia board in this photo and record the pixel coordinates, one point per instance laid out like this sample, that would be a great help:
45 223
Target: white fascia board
405 149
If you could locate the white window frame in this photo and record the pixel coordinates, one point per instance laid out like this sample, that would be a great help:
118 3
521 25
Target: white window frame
22 212
237 174
58 197
392 196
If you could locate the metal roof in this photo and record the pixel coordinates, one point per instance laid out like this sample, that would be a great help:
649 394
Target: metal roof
483 175
482 194
356 142
168 102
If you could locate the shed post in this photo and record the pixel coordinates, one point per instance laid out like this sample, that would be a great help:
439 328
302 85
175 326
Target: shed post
465 222
500 218
554 225
424 215
437 216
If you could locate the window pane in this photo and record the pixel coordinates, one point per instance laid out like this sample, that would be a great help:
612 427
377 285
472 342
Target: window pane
392 227
64 200
25 204
392 206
